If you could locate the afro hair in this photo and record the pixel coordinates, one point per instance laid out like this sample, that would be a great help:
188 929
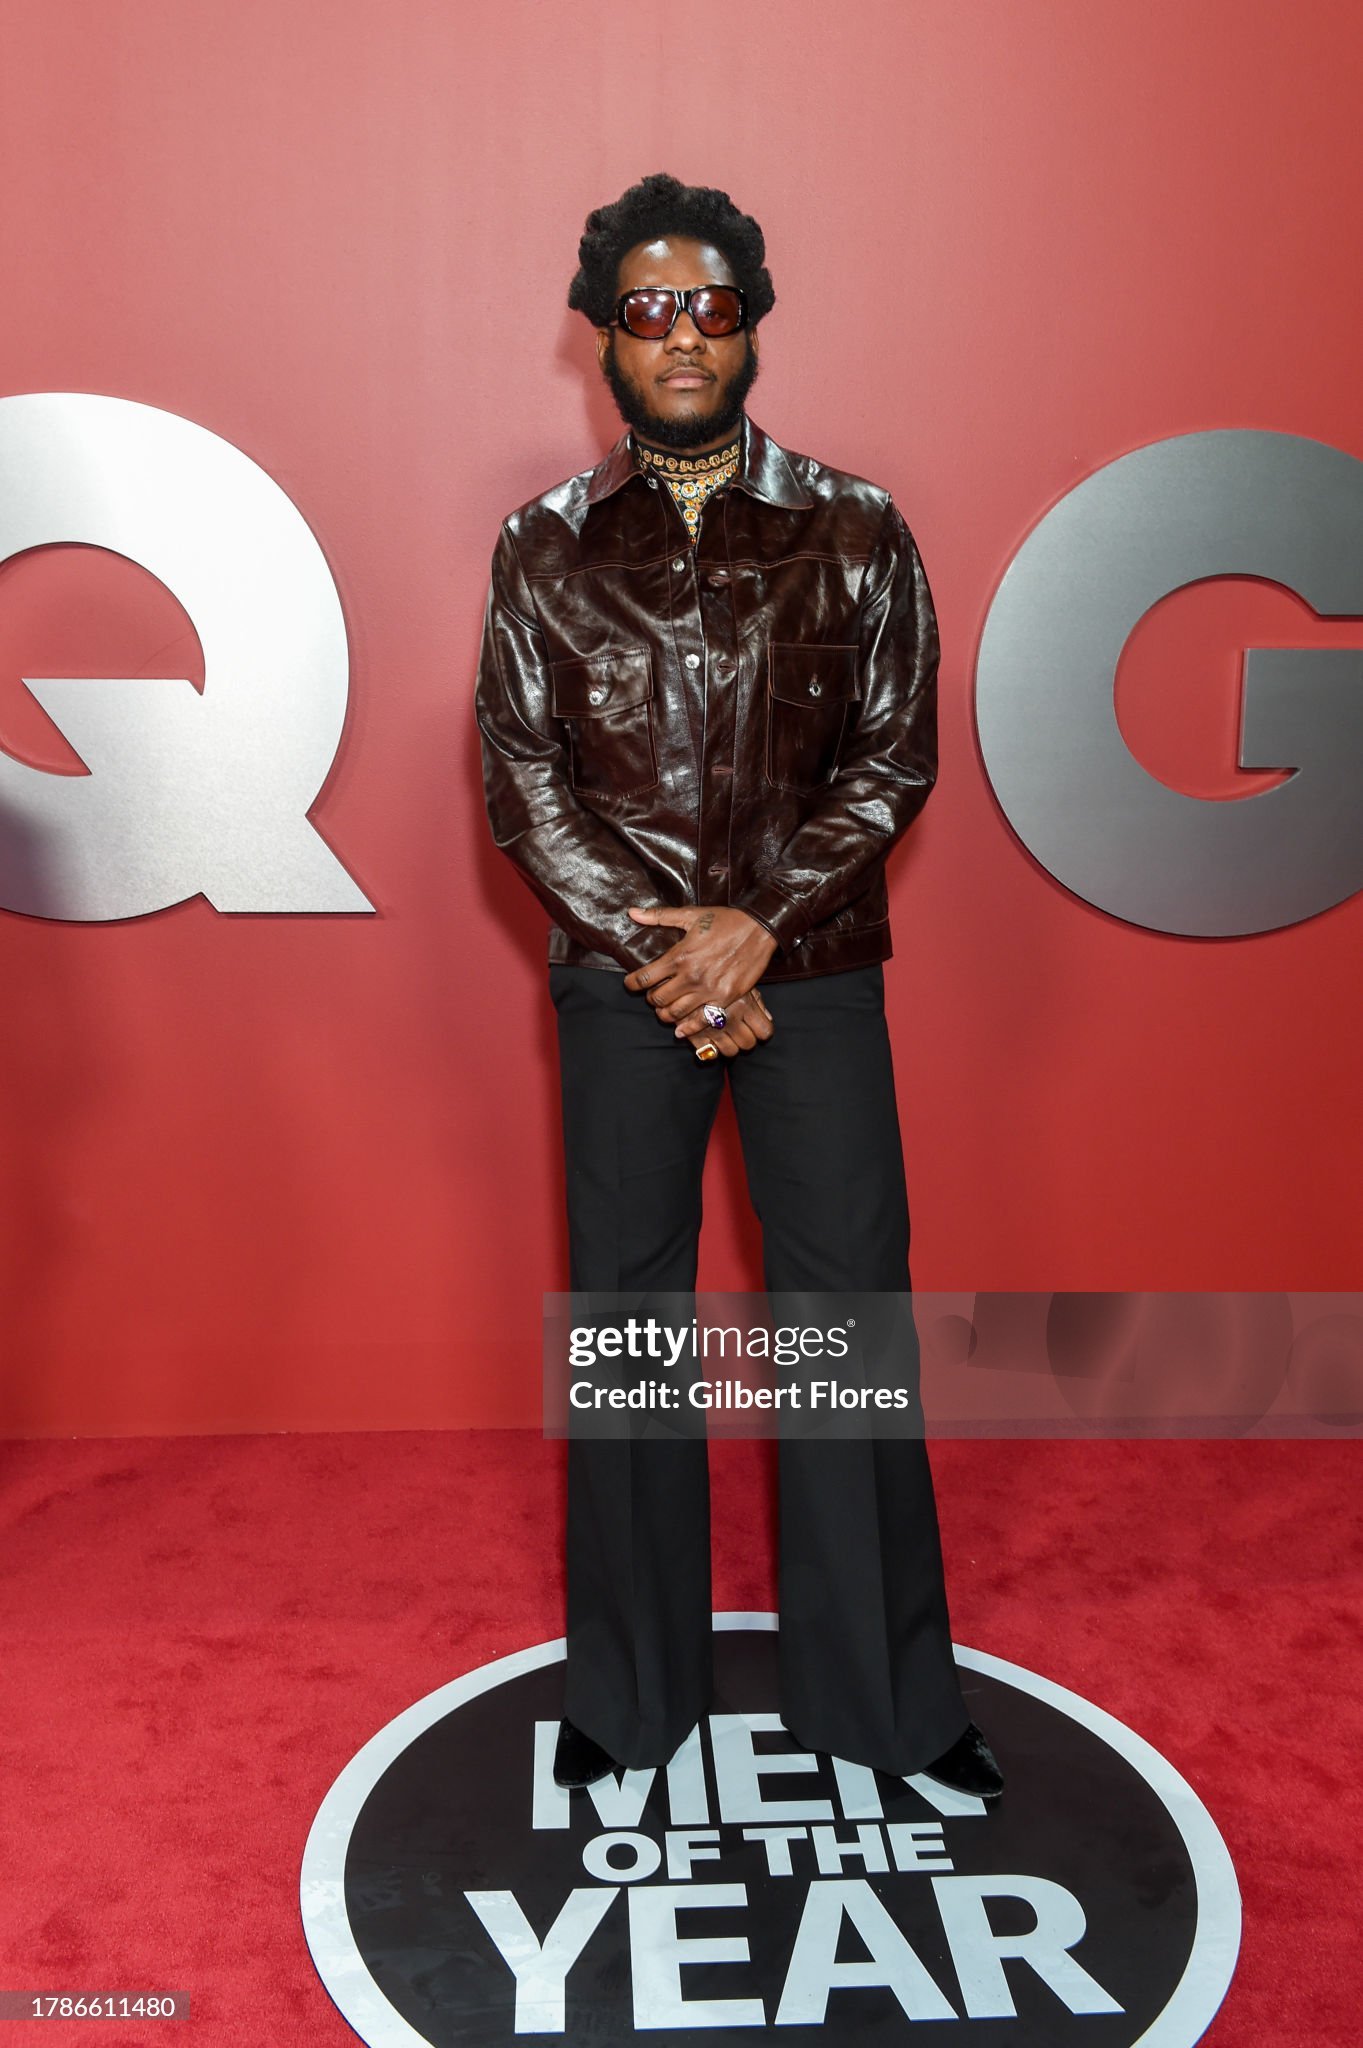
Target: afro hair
662 205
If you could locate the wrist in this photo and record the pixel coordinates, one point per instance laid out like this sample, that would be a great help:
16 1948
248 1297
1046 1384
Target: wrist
775 914
762 931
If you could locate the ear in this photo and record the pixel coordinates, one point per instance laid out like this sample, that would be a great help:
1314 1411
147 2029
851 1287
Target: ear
603 342
752 338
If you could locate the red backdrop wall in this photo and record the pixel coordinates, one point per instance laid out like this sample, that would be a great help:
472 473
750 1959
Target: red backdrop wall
302 1172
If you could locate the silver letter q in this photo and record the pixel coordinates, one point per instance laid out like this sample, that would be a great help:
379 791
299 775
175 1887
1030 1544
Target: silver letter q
187 793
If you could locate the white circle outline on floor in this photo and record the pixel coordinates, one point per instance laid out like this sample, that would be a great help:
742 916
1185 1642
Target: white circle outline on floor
1197 1997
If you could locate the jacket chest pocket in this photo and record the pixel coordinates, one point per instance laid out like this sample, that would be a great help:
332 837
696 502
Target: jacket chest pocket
811 692
606 702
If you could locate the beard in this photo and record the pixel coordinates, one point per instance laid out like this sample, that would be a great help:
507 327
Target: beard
689 430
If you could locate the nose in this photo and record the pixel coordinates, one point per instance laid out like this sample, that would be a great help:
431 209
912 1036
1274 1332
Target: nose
685 334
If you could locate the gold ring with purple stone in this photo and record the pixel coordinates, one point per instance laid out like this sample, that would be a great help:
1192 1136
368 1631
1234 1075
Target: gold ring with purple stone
713 1015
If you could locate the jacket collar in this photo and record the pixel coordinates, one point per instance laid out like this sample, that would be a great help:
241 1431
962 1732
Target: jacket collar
764 469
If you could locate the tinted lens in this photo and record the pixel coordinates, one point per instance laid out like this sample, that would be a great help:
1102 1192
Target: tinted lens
649 314
717 309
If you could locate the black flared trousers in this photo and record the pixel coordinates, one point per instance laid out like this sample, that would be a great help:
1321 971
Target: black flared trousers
866 1669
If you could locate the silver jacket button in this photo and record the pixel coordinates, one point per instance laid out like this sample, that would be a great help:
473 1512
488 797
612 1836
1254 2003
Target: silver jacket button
816 689
678 566
595 696
693 661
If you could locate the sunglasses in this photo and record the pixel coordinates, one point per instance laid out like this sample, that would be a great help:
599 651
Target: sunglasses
651 312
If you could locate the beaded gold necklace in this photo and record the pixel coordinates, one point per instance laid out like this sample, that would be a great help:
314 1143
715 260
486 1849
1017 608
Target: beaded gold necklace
693 478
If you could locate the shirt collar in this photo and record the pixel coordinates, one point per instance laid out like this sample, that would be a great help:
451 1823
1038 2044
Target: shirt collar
764 470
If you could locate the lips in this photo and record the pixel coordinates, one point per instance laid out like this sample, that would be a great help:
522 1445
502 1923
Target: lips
687 376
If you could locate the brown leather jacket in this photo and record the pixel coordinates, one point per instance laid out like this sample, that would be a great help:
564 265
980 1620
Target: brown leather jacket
752 721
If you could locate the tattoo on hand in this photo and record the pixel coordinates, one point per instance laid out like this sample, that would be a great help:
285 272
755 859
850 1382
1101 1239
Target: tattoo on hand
704 922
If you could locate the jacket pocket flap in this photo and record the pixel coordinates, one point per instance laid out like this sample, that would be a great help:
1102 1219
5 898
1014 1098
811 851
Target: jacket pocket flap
801 673
590 687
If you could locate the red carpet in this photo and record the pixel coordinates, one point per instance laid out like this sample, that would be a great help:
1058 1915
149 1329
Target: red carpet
197 1633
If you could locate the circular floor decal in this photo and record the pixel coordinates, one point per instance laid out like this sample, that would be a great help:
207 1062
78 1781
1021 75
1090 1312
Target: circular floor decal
454 1897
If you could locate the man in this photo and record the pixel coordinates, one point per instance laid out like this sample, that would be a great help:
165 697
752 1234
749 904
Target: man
707 700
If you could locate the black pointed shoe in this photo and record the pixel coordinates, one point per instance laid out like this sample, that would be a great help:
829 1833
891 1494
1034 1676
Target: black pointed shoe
969 1766
577 1759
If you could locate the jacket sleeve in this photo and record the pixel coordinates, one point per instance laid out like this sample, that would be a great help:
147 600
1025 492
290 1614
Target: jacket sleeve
889 764
581 871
